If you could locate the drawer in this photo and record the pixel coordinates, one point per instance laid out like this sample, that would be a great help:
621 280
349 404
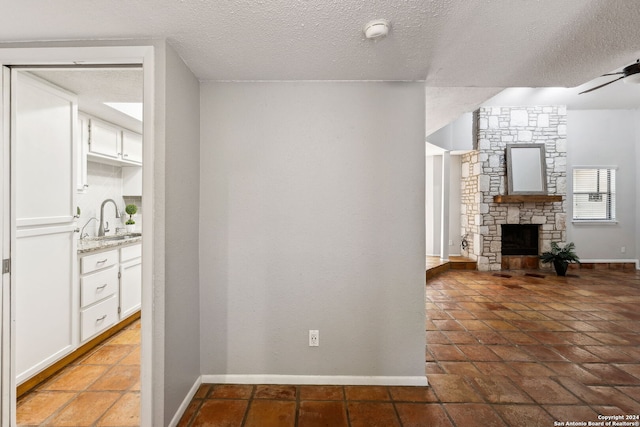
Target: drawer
130 252
99 285
89 263
99 317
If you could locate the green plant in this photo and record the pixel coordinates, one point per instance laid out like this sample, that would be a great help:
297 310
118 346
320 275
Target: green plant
131 211
560 257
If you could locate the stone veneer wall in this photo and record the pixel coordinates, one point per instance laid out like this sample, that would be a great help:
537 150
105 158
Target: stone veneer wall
484 176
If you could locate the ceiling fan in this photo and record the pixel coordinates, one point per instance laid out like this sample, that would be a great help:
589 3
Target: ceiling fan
627 71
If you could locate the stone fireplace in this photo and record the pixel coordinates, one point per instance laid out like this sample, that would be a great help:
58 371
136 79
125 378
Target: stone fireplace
484 211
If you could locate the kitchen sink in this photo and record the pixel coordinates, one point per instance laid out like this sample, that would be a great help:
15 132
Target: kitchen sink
121 236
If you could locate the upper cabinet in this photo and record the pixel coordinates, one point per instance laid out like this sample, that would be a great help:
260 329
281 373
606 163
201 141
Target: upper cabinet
131 146
111 144
104 139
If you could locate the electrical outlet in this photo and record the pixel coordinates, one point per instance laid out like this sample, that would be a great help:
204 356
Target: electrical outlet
623 249
450 242
314 338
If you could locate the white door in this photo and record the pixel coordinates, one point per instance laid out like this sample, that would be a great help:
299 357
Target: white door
5 301
44 124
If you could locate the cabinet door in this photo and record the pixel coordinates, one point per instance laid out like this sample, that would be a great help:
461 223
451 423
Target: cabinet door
130 287
44 120
131 146
105 139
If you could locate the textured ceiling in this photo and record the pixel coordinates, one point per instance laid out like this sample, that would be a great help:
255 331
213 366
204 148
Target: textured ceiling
457 43
450 44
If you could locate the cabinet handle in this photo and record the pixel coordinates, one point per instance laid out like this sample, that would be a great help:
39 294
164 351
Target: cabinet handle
99 288
103 261
125 155
100 319
86 186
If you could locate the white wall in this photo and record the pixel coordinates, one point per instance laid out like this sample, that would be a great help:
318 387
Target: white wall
105 182
312 217
605 138
181 235
457 135
433 204
455 169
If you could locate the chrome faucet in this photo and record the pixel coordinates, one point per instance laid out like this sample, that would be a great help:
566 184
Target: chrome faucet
82 233
101 229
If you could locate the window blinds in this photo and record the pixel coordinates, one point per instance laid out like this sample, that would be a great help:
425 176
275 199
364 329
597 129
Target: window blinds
594 194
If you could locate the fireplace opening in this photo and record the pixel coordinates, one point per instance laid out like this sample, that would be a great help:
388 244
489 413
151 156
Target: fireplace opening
519 239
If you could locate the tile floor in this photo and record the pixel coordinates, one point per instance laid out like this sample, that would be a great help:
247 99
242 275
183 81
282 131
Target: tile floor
101 388
514 349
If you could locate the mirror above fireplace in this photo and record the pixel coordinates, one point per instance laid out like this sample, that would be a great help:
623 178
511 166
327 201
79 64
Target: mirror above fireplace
526 169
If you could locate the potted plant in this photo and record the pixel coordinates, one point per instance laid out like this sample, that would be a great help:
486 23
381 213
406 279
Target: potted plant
131 211
560 257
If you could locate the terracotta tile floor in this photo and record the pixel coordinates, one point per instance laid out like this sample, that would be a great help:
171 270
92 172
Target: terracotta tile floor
514 350
101 388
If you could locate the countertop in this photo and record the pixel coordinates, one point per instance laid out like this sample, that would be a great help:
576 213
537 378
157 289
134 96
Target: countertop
93 244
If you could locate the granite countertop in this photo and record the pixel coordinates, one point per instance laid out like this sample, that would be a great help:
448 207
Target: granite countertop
92 244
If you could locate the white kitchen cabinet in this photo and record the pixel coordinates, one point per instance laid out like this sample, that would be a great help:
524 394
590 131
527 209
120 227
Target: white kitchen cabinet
98 292
82 148
132 181
131 146
98 261
43 141
110 288
105 139
130 280
98 317
111 144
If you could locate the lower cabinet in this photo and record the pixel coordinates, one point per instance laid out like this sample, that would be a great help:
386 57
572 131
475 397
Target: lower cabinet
110 288
98 317
130 280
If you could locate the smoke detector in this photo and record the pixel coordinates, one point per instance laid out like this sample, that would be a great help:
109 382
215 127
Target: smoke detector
376 29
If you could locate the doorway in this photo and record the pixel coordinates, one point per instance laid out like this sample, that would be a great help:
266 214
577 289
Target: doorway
41 58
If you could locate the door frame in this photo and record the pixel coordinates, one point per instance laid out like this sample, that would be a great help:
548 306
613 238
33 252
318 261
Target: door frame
80 55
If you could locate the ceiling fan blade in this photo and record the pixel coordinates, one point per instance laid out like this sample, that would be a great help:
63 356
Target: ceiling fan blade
602 85
612 74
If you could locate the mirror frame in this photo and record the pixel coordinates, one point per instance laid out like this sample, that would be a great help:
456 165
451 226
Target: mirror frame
515 164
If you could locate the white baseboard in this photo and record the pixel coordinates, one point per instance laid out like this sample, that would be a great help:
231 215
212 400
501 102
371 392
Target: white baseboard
185 403
316 380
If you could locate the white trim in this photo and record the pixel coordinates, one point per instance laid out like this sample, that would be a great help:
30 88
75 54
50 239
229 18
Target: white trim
185 403
316 380
594 167
612 261
117 52
594 222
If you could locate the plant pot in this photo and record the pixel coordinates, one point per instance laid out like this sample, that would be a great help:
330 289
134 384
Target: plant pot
561 267
130 228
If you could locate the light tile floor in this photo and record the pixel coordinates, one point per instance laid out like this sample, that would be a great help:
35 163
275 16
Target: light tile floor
508 349
100 389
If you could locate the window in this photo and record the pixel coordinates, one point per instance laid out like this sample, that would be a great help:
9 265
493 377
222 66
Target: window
594 194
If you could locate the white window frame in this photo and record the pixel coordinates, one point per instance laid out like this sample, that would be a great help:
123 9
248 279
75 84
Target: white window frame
612 207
